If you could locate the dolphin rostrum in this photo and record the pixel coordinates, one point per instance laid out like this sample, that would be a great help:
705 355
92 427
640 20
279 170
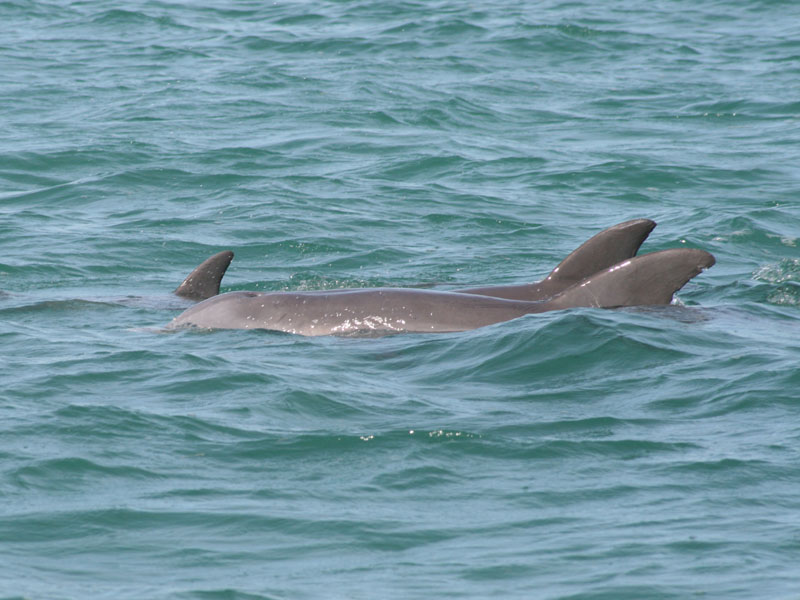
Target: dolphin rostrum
650 279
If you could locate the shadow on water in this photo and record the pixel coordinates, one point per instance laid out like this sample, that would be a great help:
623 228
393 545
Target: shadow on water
57 305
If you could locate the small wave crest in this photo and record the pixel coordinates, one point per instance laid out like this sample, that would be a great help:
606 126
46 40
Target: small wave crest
785 275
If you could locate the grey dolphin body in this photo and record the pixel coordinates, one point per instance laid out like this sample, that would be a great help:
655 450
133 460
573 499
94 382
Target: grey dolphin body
644 280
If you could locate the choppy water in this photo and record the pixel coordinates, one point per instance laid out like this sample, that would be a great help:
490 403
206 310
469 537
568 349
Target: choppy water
582 454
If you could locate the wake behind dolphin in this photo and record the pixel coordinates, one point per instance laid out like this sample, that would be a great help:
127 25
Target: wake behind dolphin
602 273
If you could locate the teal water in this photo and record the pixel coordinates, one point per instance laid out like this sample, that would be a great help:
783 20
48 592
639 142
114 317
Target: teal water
581 454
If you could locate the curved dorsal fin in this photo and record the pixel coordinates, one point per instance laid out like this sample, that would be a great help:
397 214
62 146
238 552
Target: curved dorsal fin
204 281
645 280
607 248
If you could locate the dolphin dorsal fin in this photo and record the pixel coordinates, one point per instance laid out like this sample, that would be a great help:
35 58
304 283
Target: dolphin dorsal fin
646 280
607 248
204 281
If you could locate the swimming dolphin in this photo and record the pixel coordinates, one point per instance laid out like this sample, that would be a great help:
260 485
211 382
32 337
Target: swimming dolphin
603 250
650 279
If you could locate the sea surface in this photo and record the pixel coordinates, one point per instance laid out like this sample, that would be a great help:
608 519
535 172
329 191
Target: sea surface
583 454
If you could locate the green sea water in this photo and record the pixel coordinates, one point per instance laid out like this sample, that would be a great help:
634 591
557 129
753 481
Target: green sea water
584 454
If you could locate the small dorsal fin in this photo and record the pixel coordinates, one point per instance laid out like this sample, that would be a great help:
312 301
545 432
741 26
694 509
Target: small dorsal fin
650 279
204 281
607 248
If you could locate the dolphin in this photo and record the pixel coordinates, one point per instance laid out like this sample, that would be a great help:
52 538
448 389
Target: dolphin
651 279
601 251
